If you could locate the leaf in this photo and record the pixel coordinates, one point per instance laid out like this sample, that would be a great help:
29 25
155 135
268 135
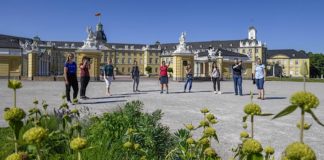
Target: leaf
315 118
245 117
265 114
215 137
256 156
286 111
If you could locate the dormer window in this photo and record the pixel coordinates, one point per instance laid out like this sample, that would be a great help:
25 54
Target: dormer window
132 47
220 45
231 45
200 46
126 46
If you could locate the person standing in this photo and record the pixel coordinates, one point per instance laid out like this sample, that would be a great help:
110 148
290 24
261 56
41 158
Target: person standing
215 78
135 77
189 76
164 79
260 74
70 77
109 76
237 76
84 76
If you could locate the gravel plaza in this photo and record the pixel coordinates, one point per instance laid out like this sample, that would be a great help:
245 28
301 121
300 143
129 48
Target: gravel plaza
181 108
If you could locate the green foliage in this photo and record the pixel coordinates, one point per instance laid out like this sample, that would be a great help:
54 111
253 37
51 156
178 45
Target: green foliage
316 64
170 70
108 134
148 69
190 149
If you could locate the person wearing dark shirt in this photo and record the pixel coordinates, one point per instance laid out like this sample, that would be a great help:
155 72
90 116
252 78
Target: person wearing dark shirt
136 77
189 78
84 76
70 70
237 77
164 76
109 76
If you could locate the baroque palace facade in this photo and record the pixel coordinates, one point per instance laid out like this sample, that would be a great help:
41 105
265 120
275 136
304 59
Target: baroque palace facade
35 58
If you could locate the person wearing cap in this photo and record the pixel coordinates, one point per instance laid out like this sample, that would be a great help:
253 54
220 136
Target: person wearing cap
237 77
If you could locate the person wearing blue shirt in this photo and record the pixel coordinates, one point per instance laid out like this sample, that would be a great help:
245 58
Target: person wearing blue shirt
70 77
260 74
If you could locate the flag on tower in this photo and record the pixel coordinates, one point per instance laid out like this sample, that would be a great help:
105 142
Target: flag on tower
98 14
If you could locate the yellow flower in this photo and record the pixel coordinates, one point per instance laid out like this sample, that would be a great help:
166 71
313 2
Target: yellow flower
244 134
251 146
210 116
190 127
209 132
269 150
128 145
252 109
35 135
78 143
204 110
143 158
130 131
14 84
213 121
137 146
299 150
74 111
305 100
204 141
204 123
14 114
210 151
245 125
15 156
306 125
190 141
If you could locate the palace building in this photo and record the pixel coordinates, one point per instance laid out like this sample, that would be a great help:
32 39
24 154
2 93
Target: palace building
33 58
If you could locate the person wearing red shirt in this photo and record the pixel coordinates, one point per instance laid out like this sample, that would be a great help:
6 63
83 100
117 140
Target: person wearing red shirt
84 76
164 76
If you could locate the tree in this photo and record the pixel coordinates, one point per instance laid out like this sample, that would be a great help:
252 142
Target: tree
148 69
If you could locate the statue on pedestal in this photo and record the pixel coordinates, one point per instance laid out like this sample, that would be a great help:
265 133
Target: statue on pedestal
181 47
91 42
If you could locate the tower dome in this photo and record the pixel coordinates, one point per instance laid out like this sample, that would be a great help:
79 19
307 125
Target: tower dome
100 34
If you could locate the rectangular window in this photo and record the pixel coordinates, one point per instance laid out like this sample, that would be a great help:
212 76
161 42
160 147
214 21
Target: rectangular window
296 62
135 60
157 54
117 60
256 50
243 51
141 61
150 61
156 70
123 60
151 54
156 61
129 61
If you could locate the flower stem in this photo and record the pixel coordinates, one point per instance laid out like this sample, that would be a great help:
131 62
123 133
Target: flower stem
302 125
304 83
14 97
16 145
79 155
252 126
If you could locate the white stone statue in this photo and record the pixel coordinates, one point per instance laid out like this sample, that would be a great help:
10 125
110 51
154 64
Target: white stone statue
211 53
91 42
25 46
219 53
181 47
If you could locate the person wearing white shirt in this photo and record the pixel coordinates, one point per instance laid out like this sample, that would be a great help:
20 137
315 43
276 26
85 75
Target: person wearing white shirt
259 75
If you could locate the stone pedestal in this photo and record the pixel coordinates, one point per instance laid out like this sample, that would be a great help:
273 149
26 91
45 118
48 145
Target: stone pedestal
95 56
32 64
180 62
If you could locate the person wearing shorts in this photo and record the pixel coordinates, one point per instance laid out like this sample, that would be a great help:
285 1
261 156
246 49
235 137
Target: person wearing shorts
260 78
164 80
109 76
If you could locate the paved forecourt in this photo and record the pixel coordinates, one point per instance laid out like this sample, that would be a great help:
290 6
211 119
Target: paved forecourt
181 108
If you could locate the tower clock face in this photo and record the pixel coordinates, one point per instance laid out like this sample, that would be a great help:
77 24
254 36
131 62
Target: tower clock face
252 34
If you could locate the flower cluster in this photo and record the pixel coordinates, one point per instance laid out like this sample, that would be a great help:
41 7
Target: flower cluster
298 150
14 114
306 100
190 127
306 125
252 109
209 132
17 156
251 146
269 150
14 84
35 135
244 134
210 151
78 144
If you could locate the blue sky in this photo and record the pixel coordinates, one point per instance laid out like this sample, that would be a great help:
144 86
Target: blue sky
297 24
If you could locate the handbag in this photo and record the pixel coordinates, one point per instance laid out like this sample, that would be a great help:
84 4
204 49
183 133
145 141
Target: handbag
253 80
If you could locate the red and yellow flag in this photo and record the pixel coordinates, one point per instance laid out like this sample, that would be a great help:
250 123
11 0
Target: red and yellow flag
98 14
